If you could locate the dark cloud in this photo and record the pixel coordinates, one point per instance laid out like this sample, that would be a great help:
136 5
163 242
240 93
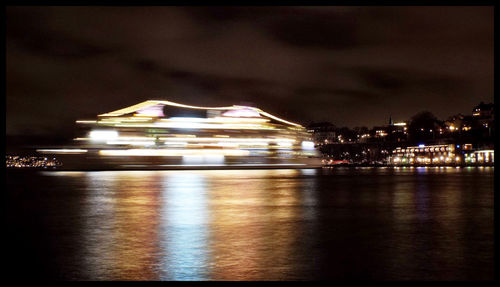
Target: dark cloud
323 30
350 65
403 80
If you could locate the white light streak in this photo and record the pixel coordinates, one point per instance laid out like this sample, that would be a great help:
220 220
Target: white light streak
174 152
307 145
103 135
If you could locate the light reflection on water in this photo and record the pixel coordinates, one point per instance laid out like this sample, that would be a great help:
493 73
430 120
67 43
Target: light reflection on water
175 226
185 233
370 223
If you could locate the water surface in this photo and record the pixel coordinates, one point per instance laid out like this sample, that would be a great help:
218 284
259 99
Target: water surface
342 223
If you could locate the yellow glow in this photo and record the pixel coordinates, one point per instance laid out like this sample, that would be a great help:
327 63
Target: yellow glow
218 136
104 122
285 144
227 144
140 143
183 144
140 117
195 125
121 138
150 103
195 139
278 119
253 144
214 120
228 119
86 122
171 152
134 120
134 138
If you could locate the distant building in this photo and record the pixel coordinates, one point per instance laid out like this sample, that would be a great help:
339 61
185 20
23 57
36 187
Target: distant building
483 110
458 123
323 133
398 132
380 132
484 116
393 132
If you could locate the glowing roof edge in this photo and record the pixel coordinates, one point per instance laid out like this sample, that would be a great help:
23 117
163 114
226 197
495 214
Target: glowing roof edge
149 103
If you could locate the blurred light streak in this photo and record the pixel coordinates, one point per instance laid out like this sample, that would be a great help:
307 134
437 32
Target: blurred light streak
172 152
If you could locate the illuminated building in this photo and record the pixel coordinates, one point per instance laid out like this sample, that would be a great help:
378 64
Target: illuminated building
442 155
480 157
392 132
164 134
30 162
426 155
380 133
458 123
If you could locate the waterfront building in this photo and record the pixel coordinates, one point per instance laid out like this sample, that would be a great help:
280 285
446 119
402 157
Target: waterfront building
480 157
426 155
446 154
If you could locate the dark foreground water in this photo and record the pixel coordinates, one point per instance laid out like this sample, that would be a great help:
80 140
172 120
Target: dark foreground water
344 223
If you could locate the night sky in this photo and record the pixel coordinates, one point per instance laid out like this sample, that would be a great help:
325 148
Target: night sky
352 66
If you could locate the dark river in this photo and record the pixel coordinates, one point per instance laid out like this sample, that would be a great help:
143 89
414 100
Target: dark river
342 223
